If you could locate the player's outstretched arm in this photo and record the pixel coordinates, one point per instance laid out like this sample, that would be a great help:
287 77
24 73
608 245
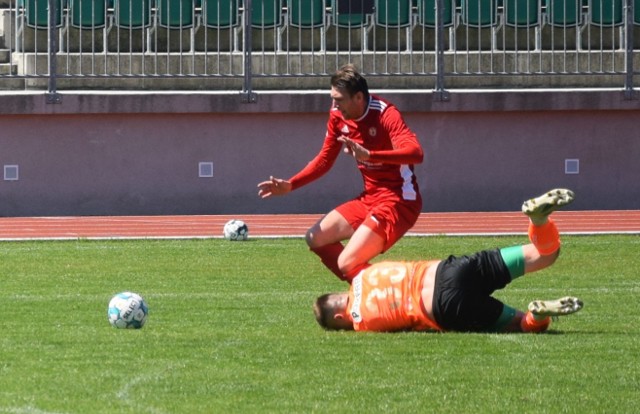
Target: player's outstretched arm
273 187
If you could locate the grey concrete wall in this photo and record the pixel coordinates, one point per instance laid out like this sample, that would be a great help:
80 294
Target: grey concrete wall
138 154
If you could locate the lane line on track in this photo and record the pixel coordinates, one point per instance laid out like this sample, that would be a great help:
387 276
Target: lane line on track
295 225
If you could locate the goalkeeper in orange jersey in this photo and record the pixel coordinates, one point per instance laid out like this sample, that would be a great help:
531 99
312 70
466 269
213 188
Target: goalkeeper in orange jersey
373 132
455 294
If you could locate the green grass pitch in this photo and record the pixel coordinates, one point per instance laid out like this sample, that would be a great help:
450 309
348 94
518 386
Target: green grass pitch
231 330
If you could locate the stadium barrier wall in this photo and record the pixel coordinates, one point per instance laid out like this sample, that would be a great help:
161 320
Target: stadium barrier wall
498 122
134 153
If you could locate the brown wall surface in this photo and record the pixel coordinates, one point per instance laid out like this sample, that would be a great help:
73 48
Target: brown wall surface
146 163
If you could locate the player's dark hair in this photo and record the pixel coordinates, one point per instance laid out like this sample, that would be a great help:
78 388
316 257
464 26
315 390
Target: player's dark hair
348 79
323 311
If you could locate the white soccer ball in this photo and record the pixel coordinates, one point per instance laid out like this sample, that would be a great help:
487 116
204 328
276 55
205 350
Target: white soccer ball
127 310
236 230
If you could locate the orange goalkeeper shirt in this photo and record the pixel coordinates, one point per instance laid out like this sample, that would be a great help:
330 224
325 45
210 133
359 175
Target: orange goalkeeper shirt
387 297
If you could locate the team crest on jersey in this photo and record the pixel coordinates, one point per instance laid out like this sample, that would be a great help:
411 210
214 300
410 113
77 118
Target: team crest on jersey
373 131
345 129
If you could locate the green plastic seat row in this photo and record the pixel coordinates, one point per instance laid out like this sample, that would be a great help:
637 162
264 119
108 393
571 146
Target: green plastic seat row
568 13
311 13
88 13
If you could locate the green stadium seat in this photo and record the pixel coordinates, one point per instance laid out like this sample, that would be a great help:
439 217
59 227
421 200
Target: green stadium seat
303 19
607 12
175 27
220 14
176 14
266 14
391 17
267 23
36 13
606 18
427 13
479 20
564 22
131 21
636 12
221 21
32 24
306 14
522 13
424 34
88 26
564 13
393 13
132 14
479 13
522 25
88 14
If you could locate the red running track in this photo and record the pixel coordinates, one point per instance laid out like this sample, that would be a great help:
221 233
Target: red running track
133 227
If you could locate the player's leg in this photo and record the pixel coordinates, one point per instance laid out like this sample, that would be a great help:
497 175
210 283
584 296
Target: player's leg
325 236
331 228
543 233
364 245
541 253
539 315
526 259
386 222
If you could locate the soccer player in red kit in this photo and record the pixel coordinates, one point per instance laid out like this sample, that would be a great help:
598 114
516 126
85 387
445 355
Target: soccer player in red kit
372 131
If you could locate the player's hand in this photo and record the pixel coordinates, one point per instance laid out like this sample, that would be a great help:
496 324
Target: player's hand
273 187
354 149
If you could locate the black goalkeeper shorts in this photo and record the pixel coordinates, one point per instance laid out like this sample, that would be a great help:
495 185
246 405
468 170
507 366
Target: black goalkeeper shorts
462 298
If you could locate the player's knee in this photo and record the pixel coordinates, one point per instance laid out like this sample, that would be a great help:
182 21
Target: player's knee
311 239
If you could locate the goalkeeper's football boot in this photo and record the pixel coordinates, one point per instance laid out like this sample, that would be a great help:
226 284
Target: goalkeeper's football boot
540 207
558 307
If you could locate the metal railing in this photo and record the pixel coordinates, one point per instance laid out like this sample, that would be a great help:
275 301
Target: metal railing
414 44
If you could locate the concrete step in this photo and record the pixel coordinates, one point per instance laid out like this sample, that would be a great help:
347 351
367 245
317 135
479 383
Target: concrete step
11 84
6 66
5 55
8 69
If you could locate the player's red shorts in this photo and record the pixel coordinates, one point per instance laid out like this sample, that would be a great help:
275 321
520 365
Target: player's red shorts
390 218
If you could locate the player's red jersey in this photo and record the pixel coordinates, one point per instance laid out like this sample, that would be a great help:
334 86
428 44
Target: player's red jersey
393 147
387 297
